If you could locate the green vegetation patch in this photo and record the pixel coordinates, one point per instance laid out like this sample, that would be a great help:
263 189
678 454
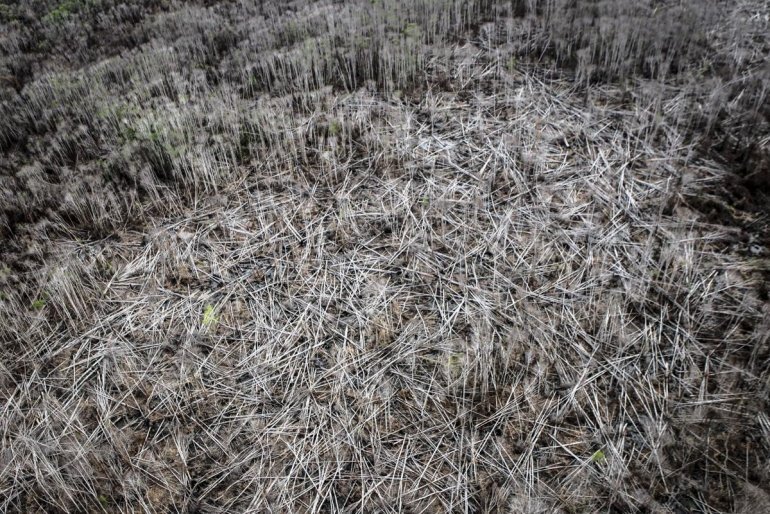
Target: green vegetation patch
67 8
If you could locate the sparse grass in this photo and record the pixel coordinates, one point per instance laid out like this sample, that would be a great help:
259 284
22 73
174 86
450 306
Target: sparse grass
377 256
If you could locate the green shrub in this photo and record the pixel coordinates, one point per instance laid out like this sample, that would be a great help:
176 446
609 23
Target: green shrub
67 8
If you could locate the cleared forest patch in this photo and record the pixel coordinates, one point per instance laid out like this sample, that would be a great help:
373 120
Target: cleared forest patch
384 257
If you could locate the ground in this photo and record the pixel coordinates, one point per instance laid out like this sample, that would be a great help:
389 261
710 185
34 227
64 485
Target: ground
370 257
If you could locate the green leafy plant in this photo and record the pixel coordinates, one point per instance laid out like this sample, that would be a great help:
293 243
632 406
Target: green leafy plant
38 304
598 456
210 318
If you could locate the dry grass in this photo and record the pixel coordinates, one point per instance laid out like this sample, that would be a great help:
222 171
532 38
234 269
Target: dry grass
435 282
